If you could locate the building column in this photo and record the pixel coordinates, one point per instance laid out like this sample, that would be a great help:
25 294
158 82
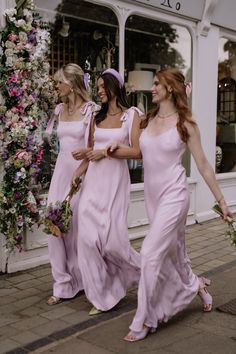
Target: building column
204 106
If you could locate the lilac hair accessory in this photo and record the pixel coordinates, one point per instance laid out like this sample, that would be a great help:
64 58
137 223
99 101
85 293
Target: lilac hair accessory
188 88
86 80
117 75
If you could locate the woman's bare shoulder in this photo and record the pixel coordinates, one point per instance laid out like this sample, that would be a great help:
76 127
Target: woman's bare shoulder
191 126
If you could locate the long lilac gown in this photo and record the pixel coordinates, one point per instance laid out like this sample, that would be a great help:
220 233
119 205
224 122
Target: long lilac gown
167 284
108 263
63 251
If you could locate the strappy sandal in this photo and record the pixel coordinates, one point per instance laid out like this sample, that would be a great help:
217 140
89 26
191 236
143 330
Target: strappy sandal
204 294
133 336
53 300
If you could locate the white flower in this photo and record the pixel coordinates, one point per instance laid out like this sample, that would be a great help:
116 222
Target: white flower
12 210
9 52
20 23
31 199
23 37
10 12
30 5
9 61
10 45
234 225
28 15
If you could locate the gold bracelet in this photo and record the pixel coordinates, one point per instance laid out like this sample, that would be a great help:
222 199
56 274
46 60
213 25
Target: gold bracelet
104 153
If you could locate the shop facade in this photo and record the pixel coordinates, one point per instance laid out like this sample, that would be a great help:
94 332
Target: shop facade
138 38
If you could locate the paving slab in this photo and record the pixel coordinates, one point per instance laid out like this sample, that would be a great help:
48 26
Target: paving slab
191 331
24 307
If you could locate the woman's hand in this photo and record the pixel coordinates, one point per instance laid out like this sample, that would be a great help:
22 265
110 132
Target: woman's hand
96 155
76 180
80 154
226 212
112 148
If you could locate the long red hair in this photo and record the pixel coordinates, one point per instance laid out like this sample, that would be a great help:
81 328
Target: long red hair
172 77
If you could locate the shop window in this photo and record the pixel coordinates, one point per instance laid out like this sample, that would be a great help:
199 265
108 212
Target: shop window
151 45
83 33
226 108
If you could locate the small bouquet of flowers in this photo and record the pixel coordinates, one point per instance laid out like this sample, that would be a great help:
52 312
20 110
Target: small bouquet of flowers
58 216
231 231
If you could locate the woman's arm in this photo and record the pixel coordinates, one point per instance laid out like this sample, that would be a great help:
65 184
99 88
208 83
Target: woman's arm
84 164
204 167
79 172
121 151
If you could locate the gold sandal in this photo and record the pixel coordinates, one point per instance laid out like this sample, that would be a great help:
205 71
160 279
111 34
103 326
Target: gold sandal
94 311
53 300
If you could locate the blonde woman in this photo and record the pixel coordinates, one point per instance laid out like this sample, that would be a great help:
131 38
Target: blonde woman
73 116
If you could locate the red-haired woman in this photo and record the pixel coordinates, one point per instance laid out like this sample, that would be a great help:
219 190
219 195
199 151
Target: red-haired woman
168 284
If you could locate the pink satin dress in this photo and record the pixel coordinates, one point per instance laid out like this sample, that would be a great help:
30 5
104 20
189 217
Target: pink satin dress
72 135
167 284
108 263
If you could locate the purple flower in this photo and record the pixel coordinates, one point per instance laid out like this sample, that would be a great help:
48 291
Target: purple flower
17 195
19 238
32 38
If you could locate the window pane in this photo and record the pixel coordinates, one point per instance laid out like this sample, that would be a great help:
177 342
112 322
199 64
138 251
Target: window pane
226 108
151 45
82 33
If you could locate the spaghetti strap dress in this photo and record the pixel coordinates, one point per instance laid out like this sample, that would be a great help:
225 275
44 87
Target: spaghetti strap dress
63 250
167 284
108 263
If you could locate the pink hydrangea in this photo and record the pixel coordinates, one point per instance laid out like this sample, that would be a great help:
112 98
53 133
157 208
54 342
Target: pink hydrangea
12 37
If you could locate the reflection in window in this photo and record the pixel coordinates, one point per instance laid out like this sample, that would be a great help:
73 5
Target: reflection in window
83 33
151 45
226 108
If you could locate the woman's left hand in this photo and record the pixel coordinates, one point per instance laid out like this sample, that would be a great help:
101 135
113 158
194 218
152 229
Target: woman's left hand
95 155
226 212
80 154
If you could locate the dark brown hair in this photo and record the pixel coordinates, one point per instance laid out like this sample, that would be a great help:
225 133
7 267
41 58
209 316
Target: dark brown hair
172 77
112 87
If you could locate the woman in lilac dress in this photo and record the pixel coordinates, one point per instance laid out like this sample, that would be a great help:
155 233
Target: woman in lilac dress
73 118
108 263
168 284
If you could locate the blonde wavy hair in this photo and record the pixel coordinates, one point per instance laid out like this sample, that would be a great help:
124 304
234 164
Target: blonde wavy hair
73 75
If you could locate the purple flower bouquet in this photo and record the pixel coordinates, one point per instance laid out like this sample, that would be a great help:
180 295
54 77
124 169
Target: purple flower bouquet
57 218
231 231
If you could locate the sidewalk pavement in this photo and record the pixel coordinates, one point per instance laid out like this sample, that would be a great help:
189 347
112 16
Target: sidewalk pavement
28 324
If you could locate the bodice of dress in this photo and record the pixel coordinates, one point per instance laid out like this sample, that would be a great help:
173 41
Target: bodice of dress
162 158
73 134
104 136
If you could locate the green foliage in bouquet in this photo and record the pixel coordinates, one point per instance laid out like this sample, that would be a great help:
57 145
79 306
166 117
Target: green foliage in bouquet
231 231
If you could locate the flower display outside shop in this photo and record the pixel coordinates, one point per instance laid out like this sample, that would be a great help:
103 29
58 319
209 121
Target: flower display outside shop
26 101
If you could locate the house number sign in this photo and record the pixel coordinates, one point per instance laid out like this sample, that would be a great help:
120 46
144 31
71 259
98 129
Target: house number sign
187 8
171 4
